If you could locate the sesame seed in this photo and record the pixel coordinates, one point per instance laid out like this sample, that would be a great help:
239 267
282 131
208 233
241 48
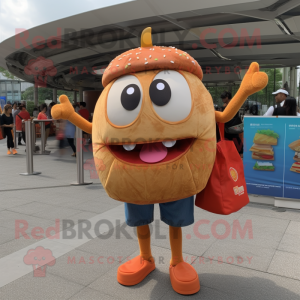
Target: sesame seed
126 66
149 56
184 54
164 56
180 54
120 58
140 48
172 61
145 58
129 59
129 64
117 65
187 57
146 63
193 62
155 59
138 58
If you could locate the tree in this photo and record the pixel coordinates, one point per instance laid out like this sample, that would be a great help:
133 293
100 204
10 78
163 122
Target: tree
44 94
265 96
7 74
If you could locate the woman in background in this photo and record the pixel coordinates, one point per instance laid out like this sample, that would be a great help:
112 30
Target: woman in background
42 116
289 108
7 122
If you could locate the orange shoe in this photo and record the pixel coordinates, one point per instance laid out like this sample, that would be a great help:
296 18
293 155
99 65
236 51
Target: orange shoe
8 152
14 151
134 271
184 279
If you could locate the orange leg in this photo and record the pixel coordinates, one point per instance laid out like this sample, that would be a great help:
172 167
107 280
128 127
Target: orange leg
143 233
184 278
176 245
135 270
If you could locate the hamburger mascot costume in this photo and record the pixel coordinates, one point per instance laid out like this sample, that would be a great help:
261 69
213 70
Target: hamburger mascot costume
155 112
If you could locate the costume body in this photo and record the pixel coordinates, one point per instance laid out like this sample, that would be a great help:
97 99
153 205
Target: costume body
154 141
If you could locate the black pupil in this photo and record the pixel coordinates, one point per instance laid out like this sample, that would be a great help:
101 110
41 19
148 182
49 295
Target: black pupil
160 92
130 97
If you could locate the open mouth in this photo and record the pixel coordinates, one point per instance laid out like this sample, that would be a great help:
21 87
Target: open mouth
151 153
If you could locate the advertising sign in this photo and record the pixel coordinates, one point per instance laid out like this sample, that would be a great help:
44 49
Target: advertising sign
272 156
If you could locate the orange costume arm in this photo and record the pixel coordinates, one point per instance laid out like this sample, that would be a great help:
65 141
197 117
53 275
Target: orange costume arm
253 82
65 111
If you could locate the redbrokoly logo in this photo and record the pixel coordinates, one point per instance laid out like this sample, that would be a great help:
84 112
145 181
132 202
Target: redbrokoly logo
39 258
40 68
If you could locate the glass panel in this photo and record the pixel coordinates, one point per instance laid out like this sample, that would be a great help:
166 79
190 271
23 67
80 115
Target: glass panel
17 91
2 89
9 91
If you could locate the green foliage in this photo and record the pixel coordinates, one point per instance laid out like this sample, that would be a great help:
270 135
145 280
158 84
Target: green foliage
44 94
7 74
264 96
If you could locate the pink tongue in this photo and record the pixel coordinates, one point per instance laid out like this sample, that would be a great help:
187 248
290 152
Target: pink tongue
153 152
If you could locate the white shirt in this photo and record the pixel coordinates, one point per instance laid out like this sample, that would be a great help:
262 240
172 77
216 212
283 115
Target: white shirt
271 109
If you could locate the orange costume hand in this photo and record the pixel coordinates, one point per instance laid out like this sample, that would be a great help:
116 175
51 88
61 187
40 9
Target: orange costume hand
253 82
65 111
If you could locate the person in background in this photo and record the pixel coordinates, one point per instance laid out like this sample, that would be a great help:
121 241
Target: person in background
70 134
15 112
280 96
42 116
7 122
86 115
35 112
226 97
23 115
289 108
48 113
14 108
76 107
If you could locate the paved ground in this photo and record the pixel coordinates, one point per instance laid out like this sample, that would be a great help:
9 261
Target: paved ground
264 264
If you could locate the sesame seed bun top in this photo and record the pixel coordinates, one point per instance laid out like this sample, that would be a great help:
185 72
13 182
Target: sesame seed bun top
150 58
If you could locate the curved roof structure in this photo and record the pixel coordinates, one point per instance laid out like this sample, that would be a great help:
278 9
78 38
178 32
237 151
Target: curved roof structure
223 36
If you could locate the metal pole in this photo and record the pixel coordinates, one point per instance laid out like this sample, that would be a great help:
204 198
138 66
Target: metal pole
29 149
43 137
79 159
15 137
54 99
36 96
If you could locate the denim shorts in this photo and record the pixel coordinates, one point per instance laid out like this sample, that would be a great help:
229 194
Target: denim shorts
178 213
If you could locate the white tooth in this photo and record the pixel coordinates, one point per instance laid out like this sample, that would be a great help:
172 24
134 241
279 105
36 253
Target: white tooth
129 147
169 144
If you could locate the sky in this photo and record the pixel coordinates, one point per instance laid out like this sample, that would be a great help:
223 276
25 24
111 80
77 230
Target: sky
30 13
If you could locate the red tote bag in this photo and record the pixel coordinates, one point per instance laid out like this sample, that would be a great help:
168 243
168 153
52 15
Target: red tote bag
226 190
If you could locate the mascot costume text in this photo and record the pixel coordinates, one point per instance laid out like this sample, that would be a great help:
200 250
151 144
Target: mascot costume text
155 112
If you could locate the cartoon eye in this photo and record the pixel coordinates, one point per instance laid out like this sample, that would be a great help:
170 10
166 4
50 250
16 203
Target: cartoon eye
35 258
124 100
171 96
43 258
